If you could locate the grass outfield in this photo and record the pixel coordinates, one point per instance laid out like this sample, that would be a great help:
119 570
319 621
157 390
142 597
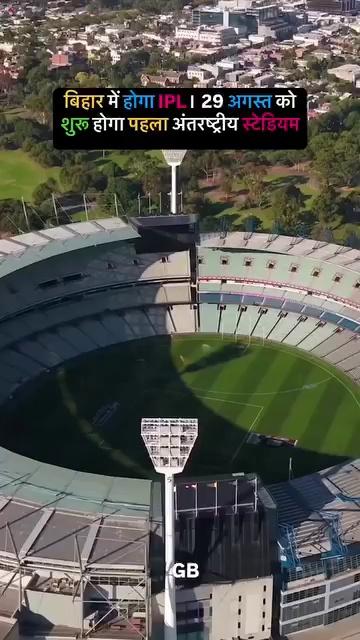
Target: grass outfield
230 387
19 175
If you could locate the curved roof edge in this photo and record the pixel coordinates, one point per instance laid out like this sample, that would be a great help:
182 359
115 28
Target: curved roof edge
60 488
296 246
22 250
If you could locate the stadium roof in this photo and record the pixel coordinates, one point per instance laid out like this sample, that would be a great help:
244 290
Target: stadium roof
322 509
295 246
46 507
50 537
44 484
20 251
164 221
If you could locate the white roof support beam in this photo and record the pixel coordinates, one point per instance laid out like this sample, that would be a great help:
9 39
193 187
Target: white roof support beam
34 534
90 541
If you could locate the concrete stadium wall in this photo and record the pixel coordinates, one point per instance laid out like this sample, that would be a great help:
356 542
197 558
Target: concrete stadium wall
230 610
9 629
55 608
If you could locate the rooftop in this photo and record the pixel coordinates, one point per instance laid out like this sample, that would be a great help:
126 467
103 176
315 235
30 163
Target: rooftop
21 250
295 246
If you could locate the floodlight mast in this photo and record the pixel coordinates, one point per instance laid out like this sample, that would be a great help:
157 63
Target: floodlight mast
174 158
169 442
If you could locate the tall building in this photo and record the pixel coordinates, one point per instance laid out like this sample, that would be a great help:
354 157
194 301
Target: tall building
215 16
332 6
247 18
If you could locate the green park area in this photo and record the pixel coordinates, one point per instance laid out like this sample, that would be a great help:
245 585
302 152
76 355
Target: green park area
20 174
217 196
314 191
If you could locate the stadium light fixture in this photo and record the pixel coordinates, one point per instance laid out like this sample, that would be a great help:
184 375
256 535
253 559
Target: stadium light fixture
169 442
174 158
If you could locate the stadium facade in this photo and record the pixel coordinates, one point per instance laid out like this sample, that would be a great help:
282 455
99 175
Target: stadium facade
82 554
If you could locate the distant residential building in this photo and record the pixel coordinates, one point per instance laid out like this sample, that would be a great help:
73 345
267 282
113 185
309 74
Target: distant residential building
163 80
346 72
265 80
115 55
229 64
198 73
275 29
213 69
217 36
312 39
150 35
187 33
6 46
103 38
7 80
235 76
59 60
214 35
322 54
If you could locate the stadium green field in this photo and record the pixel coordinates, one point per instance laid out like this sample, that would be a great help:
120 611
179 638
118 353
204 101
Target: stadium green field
87 415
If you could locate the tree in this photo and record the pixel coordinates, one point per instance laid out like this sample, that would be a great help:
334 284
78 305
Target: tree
41 105
9 141
27 145
289 59
287 203
12 218
325 206
347 160
5 125
37 74
128 69
24 128
209 223
352 120
254 183
111 170
324 165
330 122
350 206
207 162
125 195
321 141
251 223
196 202
81 177
88 80
43 191
316 69
227 184
152 176
336 158
45 154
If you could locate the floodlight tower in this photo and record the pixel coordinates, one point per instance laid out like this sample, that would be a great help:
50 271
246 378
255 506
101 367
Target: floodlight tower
174 158
169 442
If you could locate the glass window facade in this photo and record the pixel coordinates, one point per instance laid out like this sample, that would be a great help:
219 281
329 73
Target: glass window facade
301 625
343 612
305 593
302 609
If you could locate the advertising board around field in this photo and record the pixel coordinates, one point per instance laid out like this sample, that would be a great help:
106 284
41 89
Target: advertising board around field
270 441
